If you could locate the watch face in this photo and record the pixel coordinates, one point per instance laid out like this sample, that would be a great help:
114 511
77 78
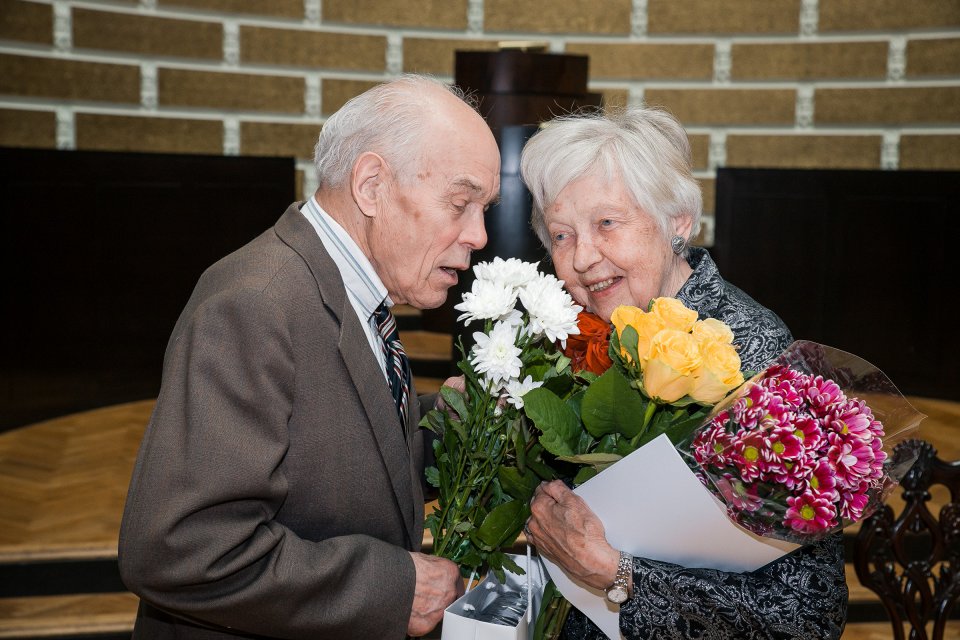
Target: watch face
617 595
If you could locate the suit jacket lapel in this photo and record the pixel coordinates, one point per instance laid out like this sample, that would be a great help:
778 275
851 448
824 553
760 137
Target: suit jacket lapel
294 229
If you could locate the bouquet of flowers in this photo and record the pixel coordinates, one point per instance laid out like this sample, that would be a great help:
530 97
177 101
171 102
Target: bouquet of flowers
657 371
795 455
488 462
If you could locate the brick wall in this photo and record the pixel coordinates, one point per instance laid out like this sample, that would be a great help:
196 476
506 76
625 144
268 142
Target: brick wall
764 83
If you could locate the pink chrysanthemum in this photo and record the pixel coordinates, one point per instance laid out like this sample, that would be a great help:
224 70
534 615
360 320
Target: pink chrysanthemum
713 445
807 431
739 497
747 456
852 459
823 395
852 417
852 503
809 513
822 480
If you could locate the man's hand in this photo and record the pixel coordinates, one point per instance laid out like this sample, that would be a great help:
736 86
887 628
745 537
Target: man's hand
457 383
438 584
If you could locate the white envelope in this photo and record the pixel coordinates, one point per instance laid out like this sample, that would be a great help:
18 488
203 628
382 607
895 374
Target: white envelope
652 506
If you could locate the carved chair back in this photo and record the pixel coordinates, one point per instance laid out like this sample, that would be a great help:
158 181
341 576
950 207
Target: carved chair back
911 561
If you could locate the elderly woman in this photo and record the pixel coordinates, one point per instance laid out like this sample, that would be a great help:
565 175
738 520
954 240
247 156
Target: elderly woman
616 205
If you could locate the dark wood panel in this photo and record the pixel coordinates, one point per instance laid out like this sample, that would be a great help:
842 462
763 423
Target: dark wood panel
859 260
100 252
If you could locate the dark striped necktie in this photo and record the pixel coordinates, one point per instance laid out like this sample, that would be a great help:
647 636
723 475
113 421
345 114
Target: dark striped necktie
398 368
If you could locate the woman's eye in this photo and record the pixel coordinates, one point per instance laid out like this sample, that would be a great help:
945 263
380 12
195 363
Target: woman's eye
557 237
606 222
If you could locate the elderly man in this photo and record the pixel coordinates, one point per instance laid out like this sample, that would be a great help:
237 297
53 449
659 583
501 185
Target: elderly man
277 489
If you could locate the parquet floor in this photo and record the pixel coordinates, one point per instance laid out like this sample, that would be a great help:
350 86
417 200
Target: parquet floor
63 484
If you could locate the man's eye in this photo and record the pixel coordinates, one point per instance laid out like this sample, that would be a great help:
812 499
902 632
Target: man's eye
606 222
558 237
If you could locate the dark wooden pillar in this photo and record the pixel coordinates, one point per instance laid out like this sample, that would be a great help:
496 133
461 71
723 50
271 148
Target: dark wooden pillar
516 91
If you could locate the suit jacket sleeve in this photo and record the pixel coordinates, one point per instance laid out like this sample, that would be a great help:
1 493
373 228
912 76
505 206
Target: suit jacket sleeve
200 536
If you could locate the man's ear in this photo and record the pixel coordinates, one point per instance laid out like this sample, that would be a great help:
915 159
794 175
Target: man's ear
368 181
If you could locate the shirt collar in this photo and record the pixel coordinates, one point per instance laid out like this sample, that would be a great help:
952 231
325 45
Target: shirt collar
360 279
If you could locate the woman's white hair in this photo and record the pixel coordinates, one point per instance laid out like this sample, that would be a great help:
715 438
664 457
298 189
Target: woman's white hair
387 119
645 147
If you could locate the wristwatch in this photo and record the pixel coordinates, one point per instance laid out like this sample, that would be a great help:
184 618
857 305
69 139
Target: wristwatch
617 592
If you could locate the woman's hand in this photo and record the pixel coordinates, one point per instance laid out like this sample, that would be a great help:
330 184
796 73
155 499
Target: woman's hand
566 531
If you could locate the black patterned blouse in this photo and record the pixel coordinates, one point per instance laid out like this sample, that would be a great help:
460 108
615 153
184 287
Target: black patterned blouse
800 596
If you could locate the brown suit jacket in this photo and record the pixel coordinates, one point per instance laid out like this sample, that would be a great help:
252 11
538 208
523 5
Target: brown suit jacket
273 493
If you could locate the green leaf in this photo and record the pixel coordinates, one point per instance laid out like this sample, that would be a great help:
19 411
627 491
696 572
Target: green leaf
611 406
519 485
593 458
502 520
555 419
454 400
583 475
536 464
508 563
463 527
433 476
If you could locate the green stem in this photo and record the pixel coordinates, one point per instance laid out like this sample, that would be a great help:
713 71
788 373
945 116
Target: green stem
647 417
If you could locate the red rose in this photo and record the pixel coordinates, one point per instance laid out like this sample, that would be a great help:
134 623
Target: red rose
589 350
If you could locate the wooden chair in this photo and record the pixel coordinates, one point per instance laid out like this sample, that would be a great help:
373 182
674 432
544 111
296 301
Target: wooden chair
912 561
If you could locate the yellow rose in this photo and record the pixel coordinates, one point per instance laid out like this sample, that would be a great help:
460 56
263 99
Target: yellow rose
674 357
712 330
673 314
646 325
718 374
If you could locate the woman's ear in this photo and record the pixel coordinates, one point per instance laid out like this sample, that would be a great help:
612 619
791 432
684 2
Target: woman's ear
682 224
367 182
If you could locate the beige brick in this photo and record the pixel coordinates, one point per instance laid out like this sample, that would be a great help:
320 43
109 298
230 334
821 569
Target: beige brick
708 188
298 181
278 8
939 57
723 16
895 105
809 61
700 150
26 21
68 79
20 128
99 132
147 35
435 14
930 152
437 55
884 15
278 139
185 88
549 16
642 61
312 49
804 151
337 92
726 106
613 98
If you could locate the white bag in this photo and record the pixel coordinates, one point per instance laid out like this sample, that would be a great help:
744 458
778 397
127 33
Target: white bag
458 620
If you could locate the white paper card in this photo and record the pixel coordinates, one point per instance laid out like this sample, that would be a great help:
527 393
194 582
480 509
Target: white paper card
652 506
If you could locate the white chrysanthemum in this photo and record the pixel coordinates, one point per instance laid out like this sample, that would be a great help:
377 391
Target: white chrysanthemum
496 356
552 311
511 273
516 389
487 300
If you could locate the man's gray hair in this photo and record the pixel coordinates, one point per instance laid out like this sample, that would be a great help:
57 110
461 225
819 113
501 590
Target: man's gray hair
645 147
387 119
